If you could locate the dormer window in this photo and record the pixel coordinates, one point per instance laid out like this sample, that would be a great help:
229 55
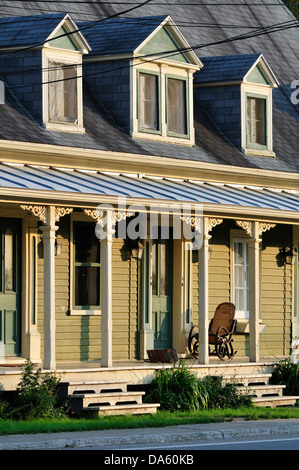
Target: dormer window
162 105
236 90
256 98
62 78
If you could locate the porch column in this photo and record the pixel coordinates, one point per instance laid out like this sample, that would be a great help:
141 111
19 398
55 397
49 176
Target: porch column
203 276
49 231
254 292
106 290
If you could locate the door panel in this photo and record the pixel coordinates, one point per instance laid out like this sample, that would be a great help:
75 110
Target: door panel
10 283
162 293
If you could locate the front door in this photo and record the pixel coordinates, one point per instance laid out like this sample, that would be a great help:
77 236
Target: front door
162 253
10 286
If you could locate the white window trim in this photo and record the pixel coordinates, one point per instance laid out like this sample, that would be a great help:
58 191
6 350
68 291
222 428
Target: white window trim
241 314
261 91
66 57
78 217
162 70
242 321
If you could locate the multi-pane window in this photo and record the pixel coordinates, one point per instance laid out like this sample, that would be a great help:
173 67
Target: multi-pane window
148 101
87 266
241 278
62 98
162 105
176 110
256 121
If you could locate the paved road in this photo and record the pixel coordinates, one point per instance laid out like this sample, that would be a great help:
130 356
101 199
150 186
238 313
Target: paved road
187 435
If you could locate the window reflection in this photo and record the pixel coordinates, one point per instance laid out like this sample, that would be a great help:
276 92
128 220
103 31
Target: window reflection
9 260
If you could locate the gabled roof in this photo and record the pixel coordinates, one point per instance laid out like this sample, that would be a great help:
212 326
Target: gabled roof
234 68
34 30
119 35
133 36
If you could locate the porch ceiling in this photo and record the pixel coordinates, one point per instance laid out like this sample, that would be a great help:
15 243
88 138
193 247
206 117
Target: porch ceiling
76 183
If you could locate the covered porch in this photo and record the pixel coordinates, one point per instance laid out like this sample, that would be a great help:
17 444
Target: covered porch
243 213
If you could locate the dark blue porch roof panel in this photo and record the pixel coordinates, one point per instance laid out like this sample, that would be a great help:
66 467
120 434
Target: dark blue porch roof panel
27 30
118 35
225 68
96 183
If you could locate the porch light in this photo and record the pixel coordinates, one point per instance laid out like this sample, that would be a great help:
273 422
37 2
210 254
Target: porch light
287 254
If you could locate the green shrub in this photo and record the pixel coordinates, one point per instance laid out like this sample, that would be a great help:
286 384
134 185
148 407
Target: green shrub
286 373
224 394
177 389
37 395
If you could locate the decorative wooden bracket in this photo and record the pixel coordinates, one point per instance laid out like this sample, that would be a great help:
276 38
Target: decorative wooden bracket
247 226
37 211
41 212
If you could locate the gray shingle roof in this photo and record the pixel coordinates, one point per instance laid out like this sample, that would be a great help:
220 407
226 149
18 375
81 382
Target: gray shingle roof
28 30
201 25
225 68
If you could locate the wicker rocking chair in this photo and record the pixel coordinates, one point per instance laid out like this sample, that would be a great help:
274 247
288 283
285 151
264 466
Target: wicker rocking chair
221 329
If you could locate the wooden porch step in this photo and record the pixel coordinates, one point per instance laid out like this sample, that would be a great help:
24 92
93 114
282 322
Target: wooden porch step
262 390
92 386
104 397
79 402
247 380
148 408
273 402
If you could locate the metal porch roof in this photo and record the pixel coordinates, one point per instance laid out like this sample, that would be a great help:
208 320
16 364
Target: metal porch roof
72 182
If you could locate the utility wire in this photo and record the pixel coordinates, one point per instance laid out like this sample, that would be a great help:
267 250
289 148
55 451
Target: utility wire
87 26
159 3
139 5
166 54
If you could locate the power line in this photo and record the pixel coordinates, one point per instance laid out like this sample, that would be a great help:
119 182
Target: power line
166 54
139 5
91 2
177 23
115 15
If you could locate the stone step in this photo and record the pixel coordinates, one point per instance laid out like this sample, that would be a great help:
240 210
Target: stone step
262 390
78 402
249 379
148 408
273 402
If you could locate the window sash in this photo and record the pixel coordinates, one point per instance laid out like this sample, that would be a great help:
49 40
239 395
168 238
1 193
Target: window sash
241 278
87 266
148 101
63 102
256 121
176 106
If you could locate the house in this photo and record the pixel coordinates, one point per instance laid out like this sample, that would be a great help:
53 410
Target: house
149 171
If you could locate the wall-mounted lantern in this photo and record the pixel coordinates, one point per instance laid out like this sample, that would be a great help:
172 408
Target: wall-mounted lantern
287 254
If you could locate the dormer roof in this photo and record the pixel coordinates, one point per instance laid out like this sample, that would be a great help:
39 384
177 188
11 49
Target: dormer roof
38 30
150 36
251 68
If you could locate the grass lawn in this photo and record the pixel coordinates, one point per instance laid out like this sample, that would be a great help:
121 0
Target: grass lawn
162 418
